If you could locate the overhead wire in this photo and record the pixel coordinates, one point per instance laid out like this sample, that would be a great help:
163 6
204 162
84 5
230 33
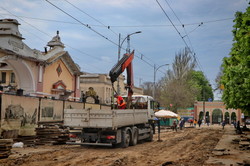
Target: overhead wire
141 56
183 26
25 21
49 36
172 23
90 16
182 37
86 25
187 35
125 26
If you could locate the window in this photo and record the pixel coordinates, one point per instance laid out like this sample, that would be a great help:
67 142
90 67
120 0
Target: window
12 78
59 70
3 77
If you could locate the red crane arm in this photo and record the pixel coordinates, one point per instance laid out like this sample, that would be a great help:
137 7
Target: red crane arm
124 63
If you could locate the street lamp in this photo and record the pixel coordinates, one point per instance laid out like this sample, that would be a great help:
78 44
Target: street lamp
155 70
127 51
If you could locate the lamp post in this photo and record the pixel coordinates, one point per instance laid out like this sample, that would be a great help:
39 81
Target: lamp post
155 70
127 51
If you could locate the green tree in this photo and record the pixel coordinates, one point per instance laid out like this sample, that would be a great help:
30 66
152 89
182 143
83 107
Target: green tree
200 82
182 85
236 67
218 80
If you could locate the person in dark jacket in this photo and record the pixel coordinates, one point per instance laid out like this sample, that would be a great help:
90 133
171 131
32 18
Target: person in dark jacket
223 124
199 122
174 126
238 129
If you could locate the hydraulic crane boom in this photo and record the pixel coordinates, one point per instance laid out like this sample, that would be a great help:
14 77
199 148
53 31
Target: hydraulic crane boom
124 63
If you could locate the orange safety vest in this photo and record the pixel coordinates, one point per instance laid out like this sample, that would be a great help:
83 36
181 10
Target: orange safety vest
121 103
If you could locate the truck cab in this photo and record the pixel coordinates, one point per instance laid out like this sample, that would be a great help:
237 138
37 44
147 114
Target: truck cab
143 102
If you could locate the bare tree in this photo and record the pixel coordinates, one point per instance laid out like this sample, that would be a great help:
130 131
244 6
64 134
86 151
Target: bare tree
147 88
177 89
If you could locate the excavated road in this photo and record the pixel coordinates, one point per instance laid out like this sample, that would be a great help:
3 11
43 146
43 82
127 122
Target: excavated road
191 146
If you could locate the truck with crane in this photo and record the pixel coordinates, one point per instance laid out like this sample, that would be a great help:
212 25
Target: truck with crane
123 127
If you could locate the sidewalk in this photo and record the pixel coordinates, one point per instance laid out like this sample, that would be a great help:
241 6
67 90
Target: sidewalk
229 151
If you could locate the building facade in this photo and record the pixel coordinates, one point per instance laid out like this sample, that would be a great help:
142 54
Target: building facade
102 86
216 112
51 72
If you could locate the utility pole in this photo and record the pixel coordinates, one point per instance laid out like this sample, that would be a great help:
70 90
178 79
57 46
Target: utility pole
127 51
155 70
119 55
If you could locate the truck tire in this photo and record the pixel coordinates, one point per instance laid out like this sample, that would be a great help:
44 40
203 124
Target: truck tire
134 138
125 138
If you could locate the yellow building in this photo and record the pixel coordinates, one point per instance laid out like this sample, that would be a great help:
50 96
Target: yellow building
101 84
7 76
50 73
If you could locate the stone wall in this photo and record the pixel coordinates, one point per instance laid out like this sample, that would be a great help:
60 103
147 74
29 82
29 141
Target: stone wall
20 114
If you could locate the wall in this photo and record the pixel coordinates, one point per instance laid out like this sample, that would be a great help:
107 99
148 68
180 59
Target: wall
20 114
51 76
211 106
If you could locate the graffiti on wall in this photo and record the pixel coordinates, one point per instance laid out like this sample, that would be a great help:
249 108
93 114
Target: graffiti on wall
48 112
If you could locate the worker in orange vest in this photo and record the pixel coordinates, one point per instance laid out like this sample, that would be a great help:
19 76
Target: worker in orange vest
120 102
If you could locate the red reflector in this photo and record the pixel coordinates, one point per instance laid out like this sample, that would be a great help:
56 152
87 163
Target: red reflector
110 137
72 136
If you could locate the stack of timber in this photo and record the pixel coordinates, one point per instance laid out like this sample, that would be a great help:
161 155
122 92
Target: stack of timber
27 140
51 133
5 147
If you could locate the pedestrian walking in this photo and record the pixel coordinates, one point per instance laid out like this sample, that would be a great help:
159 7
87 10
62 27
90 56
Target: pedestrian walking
208 122
181 124
191 122
195 122
175 126
234 123
199 122
238 129
223 124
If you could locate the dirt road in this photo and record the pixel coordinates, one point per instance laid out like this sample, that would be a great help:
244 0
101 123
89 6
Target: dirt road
191 146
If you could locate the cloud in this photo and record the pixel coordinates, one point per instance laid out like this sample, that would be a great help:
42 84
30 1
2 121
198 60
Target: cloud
211 41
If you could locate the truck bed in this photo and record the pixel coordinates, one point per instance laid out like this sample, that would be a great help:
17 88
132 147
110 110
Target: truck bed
104 118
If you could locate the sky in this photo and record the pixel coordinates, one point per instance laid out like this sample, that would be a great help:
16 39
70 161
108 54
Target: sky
90 31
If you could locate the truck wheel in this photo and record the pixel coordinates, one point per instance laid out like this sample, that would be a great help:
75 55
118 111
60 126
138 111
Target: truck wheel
134 139
125 138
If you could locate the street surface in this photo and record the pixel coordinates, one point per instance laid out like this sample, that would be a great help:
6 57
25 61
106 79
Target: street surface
191 146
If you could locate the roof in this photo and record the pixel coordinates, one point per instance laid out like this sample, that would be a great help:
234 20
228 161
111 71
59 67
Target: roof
66 58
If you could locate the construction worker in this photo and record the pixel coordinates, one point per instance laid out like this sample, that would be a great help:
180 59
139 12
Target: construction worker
120 102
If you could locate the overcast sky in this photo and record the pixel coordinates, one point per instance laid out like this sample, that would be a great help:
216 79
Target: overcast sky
90 31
